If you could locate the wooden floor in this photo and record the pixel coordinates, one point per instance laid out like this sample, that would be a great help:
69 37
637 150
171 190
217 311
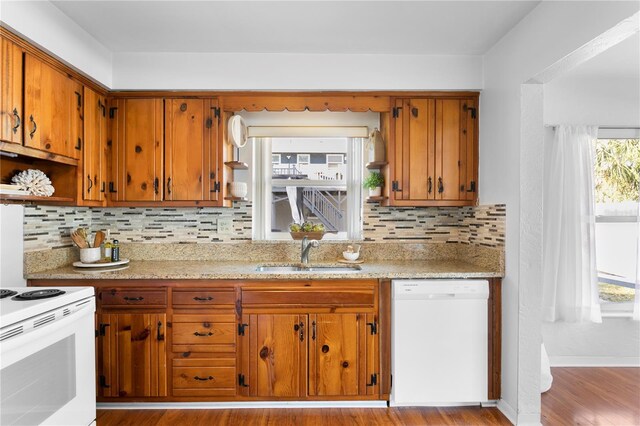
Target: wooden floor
593 396
579 396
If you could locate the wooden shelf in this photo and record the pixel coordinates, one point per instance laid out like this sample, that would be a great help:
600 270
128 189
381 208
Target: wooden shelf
236 198
237 165
376 164
375 199
22 151
35 198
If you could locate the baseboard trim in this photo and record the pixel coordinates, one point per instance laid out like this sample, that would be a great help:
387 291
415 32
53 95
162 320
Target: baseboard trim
593 361
508 411
248 404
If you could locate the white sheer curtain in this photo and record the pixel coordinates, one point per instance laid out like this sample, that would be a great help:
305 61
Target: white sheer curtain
570 282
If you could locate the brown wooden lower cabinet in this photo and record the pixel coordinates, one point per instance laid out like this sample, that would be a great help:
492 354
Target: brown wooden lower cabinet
207 340
132 356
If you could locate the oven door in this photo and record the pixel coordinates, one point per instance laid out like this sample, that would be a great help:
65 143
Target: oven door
47 375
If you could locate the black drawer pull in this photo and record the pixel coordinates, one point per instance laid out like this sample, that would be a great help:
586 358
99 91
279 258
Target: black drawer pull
203 334
203 378
133 299
202 299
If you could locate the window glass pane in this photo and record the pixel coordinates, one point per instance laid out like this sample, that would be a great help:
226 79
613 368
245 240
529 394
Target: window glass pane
308 159
616 179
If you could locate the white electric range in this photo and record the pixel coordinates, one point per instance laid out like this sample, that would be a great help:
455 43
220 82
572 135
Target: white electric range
47 356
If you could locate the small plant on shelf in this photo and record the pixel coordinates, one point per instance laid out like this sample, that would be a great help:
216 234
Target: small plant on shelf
310 230
374 183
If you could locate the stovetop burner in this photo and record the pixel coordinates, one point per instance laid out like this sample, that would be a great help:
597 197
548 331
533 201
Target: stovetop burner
6 293
39 294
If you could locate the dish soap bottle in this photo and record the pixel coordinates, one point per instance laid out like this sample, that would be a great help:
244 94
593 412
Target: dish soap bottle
115 251
108 246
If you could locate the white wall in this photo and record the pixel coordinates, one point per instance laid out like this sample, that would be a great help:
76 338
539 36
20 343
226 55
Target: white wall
607 99
547 34
615 342
593 100
233 71
45 25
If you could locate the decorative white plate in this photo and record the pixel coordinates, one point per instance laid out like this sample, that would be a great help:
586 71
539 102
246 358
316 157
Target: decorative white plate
100 264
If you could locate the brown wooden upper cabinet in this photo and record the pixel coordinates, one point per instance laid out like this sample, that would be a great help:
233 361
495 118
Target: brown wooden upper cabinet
164 150
11 118
137 139
52 109
191 155
433 161
95 140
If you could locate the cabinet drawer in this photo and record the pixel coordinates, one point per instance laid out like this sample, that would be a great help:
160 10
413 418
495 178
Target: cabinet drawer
301 296
203 298
133 297
204 333
204 377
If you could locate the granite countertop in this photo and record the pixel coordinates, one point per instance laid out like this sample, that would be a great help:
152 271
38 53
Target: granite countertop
159 270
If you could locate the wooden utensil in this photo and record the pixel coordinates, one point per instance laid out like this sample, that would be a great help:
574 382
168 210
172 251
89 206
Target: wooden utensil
79 240
98 239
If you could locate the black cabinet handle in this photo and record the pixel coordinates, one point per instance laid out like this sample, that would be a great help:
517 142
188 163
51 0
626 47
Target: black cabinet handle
112 187
103 186
202 334
156 184
301 331
159 337
440 186
90 184
169 186
133 299
79 144
18 121
313 330
203 378
429 185
472 186
102 107
35 127
202 299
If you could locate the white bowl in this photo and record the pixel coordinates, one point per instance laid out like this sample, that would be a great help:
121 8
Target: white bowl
90 255
238 189
351 255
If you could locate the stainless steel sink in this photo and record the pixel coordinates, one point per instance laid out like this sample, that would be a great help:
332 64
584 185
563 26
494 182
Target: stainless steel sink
309 269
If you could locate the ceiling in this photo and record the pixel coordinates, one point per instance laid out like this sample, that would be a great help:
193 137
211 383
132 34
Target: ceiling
365 27
619 61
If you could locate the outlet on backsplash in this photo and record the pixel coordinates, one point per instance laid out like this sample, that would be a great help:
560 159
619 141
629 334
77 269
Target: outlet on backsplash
225 225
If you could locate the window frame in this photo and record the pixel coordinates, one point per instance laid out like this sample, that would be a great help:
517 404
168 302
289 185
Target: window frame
263 184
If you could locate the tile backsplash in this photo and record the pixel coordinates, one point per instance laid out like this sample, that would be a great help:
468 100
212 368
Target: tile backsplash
48 227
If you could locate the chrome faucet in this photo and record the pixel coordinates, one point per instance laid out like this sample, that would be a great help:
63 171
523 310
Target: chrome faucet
306 246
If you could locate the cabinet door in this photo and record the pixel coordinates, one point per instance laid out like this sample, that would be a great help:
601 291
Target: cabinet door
53 103
451 143
137 149
415 150
469 150
11 118
95 139
190 149
132 360
336 354
278 355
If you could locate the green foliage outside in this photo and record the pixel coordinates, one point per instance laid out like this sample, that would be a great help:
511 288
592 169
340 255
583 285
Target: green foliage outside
617 170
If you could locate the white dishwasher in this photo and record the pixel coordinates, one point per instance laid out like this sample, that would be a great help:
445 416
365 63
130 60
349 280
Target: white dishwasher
439 342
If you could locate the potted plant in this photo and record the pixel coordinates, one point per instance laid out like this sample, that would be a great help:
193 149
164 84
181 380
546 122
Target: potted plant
374 183
313 231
